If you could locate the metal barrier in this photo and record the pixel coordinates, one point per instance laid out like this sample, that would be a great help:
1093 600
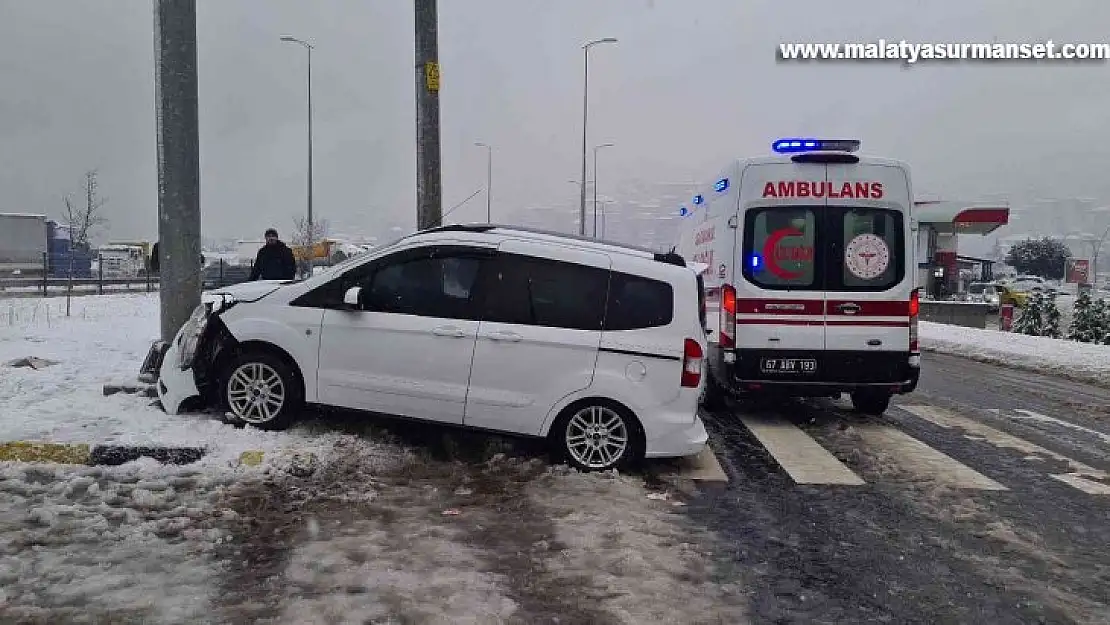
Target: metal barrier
966 314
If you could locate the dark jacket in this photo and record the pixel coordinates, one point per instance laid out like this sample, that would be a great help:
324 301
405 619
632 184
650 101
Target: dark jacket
274 262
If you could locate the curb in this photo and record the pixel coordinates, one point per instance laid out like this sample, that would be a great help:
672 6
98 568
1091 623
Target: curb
95 455
1097 380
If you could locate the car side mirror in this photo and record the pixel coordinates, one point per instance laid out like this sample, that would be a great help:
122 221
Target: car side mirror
352 296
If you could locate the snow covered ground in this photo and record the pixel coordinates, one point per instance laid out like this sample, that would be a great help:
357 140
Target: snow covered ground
1081 361
104 340
366 529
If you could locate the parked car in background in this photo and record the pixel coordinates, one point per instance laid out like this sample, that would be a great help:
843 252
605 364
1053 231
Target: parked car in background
984 293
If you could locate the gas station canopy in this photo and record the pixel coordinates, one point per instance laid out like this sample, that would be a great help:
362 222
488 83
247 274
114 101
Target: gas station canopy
960 217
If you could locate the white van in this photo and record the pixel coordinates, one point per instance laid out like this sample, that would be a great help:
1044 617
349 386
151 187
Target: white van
596 346
811 274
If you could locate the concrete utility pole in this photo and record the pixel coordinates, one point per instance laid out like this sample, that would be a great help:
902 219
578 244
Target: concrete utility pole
585 116
310 227
429 192
175 74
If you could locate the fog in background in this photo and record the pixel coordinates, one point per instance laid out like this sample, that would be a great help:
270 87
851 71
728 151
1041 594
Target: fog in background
691 84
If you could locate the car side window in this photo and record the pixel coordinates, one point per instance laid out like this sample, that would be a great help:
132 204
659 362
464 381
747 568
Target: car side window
428 286
525 290
637 303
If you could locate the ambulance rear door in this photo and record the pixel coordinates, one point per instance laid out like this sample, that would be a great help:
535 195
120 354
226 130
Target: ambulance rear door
780 316
869 262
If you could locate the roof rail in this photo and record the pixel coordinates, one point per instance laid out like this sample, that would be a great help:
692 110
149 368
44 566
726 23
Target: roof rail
670 257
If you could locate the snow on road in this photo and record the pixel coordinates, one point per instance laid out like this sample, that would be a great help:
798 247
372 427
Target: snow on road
1083 361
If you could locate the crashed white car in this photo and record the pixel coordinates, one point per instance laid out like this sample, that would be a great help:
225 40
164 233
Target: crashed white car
597 346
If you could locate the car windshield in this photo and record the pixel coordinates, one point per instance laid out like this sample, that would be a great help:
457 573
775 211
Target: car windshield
976 288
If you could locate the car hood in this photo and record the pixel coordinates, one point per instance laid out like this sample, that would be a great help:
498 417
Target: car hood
249 291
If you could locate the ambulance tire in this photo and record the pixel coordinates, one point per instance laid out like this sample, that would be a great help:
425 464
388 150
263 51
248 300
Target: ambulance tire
871 402
714 396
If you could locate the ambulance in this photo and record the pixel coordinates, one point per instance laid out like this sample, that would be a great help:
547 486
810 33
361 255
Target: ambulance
809 280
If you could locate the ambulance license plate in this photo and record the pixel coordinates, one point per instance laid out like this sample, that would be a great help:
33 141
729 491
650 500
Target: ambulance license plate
788 365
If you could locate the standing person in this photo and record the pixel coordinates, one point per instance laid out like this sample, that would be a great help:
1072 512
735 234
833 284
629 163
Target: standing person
274 260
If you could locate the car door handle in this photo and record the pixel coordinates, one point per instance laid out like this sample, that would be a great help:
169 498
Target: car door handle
451 331
504 336
848 308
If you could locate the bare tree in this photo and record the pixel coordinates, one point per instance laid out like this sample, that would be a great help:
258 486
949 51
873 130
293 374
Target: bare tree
300 231
82 217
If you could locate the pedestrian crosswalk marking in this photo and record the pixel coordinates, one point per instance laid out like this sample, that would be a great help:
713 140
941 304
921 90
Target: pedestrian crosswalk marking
803 459
916 457
703 467
1087 486
1029 414
1080 476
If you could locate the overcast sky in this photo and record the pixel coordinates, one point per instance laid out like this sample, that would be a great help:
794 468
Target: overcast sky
691 84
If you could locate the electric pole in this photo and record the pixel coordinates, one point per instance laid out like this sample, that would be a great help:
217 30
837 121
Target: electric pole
175 74
429 207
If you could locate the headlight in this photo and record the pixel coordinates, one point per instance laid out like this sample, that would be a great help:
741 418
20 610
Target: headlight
189 336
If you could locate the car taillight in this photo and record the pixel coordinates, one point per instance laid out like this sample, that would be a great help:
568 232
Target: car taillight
915 308
692 356
728 316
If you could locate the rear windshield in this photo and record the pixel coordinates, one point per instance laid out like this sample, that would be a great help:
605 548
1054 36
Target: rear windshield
780 246
868 254
824 248
976 289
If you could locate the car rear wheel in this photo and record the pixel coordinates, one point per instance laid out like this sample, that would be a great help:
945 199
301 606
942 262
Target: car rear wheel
597 436
871 402
260 389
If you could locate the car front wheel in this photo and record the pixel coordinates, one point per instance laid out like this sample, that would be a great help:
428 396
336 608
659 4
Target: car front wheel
597 437
260 389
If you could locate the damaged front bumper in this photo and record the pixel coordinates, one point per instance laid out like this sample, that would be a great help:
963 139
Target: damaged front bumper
174 385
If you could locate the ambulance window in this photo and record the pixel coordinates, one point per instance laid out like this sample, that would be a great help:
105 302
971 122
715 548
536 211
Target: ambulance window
870 254
780 248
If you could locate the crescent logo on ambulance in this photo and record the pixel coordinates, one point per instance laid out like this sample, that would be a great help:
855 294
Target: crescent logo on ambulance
815 289
820 189
774 252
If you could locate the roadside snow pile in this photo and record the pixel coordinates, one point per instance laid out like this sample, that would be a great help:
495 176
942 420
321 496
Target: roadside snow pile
104 341
1082 361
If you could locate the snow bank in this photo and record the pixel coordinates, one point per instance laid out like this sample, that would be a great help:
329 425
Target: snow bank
104 340
1079 361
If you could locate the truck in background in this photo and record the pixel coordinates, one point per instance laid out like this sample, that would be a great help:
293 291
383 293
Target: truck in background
22 244
31 244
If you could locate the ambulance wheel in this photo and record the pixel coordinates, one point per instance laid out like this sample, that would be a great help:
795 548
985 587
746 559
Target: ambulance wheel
870 402
713 396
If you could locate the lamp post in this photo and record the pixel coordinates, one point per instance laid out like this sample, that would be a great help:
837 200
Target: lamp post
310 226
489 177
596 148
585 116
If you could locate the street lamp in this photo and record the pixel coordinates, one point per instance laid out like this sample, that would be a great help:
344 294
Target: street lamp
585 115
489 177
311 234
596 148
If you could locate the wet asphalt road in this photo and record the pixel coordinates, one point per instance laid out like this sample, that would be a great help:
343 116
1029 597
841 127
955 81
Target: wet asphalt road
913 544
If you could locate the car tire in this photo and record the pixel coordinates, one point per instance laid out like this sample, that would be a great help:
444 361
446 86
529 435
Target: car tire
597 435
870 402
259 388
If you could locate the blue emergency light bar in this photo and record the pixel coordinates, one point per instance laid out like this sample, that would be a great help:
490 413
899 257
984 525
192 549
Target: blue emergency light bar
794 146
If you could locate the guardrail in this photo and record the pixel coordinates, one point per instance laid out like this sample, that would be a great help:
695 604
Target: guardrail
966 314
47 287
